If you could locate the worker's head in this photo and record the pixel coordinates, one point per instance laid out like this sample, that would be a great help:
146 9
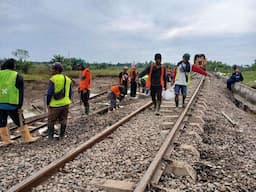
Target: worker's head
158 58
133 66
186 57
57 68
9 64
121 88
82 65
234 67
125 68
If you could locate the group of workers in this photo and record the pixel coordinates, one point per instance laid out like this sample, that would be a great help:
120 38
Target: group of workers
59 92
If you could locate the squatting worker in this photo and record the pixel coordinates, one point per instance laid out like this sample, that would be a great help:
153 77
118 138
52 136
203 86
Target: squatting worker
116 92
58 99
11 101
84 86
182 77
156 81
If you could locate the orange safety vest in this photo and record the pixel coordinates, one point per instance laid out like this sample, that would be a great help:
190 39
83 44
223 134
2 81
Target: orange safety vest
115 90
86 82
132 74
148 83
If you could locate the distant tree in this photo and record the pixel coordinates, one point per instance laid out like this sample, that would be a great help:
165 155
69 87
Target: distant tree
22 64
21 54
57 58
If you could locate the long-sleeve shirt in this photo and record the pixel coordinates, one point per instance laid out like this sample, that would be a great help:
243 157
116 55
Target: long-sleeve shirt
20 86
237 76
50 92
155 76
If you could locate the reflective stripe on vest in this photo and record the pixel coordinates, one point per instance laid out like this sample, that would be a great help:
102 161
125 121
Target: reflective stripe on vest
9 94
86 82
58 81
148 82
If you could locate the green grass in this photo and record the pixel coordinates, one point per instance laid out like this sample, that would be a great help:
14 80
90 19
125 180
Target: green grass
249 78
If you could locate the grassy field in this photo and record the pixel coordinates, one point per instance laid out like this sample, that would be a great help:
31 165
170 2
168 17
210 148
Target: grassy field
42 72
249 78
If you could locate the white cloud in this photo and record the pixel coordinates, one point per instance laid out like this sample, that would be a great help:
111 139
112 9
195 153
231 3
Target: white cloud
223 17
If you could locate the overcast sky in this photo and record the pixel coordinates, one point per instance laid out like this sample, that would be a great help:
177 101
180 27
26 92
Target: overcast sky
130 30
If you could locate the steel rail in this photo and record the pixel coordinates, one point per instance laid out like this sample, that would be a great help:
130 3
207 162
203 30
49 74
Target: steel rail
44 115
43 174
141 186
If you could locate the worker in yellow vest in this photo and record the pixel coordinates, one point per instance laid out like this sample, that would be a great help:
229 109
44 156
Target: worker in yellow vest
59 96
11 101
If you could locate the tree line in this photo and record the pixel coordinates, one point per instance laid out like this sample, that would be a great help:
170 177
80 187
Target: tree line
73 63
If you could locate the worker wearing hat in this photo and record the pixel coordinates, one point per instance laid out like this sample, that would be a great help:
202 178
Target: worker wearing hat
11 101
84 86
58 99
124 79
182 77
156 81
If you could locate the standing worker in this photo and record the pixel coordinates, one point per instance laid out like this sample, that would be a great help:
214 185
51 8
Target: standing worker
124 78
58 99
11 101
235 77
133 80
84 86
182 77
156 81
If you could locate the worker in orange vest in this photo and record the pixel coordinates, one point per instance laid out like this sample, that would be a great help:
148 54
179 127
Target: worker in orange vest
133 80
84 86
156 81
116 92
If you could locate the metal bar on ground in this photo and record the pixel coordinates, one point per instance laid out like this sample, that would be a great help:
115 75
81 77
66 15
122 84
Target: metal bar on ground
141 186
228 118
44 173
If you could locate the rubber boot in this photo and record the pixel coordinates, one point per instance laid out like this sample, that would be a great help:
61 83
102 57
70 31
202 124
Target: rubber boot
4 133
50 132
62 130
177 100
154 105
183 101
25 133
87 107
158 103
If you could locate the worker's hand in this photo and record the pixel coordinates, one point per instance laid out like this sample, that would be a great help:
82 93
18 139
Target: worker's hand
20 110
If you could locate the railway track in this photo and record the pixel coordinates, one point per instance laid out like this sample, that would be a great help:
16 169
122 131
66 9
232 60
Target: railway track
40 121
167 108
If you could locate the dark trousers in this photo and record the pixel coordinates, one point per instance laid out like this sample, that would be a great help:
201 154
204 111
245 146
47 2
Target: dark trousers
229 83
156 92
14 114
112 98
133 88
85 95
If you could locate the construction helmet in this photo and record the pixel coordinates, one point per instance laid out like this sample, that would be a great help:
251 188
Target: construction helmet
186 56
